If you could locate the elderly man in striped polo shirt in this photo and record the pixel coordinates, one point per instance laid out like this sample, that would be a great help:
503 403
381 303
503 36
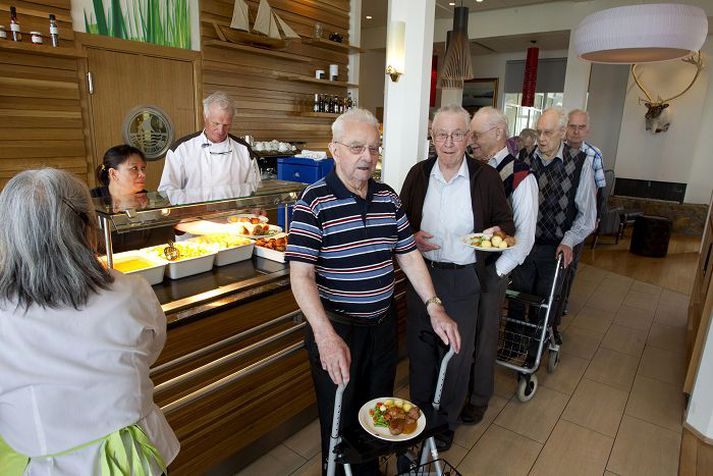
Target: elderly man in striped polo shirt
345 232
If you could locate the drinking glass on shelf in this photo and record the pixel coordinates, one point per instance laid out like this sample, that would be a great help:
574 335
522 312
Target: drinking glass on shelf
318 30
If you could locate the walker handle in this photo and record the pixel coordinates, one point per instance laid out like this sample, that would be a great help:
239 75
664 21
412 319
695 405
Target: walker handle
442 377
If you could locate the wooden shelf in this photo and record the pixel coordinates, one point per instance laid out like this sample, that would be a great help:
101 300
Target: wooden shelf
331 45
254 49
311 80
321 115
43 50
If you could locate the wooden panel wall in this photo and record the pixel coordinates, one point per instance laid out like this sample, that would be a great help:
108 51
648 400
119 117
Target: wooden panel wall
268 106
40 103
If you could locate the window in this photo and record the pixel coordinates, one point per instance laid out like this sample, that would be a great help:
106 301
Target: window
520 117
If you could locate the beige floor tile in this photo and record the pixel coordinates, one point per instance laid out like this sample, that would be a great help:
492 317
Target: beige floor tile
305 442
581 342
596 406
536 418
467 435
642 287
657 402
613 368
279 460
500 452
573 450
663 365
666 337
609 473
568 320
594 319
454 455
403 392
641 300
671 314
625 340
674 297
505 382
634 317
606 300
567 374
644 448
313 467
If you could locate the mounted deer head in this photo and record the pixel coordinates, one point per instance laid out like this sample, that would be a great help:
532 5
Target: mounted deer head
657 118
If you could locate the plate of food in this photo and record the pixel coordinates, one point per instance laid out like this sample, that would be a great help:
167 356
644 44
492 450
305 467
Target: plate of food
255 230
392 419
494 242
247 218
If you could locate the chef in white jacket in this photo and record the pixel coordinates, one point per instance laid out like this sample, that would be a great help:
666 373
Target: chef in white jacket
77 342
210 158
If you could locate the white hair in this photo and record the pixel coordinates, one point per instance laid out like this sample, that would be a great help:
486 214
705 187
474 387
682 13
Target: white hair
493 118
453 109
353 115
561 115
220 100
578 111
48 241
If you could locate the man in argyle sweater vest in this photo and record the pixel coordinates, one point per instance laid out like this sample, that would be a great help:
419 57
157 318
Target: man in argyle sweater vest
567 210
489 131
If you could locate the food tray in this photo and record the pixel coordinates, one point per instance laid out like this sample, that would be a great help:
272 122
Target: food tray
233 255
185 267
273 255
152 274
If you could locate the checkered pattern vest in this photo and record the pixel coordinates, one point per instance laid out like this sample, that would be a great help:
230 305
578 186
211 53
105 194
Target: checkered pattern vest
512 172
558 184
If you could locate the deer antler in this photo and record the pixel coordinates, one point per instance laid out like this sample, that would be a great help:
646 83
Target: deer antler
695 59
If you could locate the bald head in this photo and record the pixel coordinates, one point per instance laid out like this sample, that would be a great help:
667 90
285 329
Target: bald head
489 131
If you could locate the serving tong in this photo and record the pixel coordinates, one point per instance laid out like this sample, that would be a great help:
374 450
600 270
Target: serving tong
171 252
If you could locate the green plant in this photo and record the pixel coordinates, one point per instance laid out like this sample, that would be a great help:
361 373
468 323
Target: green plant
166 22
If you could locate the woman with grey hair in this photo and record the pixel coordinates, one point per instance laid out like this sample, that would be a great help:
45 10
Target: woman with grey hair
77 342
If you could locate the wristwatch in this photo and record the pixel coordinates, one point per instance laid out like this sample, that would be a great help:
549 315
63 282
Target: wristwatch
434 300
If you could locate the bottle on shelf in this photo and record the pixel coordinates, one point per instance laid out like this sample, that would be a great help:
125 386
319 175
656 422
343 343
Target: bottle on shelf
54 31
315 105
322 105
350 102
14 25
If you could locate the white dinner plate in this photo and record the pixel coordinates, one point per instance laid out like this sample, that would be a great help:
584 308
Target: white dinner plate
236 218
465 239
366 422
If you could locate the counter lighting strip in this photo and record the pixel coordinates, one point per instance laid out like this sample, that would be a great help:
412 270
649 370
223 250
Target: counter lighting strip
229 379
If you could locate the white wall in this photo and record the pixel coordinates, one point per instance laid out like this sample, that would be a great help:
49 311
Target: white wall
668 156
371 84
607 90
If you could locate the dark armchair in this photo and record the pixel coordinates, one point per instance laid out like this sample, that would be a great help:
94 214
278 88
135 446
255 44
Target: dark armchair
609 219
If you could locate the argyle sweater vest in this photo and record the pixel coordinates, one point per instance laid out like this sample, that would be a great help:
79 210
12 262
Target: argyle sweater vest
512 172
558 183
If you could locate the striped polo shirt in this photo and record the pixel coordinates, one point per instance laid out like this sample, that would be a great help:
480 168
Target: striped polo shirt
351 242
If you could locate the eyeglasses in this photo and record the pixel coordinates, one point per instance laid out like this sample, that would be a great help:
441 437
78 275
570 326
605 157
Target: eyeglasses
577 127
477 135
225 152
82 216
358 149
456 136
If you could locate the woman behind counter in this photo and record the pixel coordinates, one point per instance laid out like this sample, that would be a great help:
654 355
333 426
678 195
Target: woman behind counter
77 342
122 176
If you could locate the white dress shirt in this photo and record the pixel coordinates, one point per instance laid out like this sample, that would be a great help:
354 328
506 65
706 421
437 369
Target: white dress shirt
585 199
69 376
448 215
524 202
198 163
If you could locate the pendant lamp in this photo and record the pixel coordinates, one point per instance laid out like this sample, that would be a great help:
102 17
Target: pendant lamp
457 65
641 33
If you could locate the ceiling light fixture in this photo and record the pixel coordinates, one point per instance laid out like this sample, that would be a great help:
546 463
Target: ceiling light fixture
479 1
641 33
457 65
453 4
369 17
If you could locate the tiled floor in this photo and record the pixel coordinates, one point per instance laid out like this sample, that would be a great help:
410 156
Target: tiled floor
613 406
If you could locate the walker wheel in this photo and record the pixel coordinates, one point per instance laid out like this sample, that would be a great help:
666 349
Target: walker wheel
553 361
526 387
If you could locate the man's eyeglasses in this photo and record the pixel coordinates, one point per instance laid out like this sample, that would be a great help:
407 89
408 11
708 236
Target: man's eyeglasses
225 152
477 135
357 149
456 136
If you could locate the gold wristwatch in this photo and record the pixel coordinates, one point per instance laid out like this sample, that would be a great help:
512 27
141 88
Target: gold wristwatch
434 300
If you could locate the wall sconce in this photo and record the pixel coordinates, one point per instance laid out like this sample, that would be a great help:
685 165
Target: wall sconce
395 50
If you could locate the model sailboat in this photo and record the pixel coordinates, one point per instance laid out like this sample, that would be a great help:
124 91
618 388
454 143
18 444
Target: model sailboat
269 30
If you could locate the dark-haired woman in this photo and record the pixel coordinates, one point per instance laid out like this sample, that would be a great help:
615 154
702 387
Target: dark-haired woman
122 176
77 342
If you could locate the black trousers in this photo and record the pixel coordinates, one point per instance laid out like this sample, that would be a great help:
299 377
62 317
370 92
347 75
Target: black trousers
571 272
459 289
482 378
372 371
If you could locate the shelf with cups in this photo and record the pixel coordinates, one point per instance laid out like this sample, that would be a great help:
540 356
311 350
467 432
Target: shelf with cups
256 50
41 49
311 80
331 45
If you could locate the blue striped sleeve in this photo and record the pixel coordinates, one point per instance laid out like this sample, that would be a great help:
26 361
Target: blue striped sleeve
305 238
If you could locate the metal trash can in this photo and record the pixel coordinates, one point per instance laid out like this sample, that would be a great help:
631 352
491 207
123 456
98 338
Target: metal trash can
651 236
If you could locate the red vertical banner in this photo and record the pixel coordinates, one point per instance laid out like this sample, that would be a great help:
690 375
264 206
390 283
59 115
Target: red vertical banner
529 81
434 79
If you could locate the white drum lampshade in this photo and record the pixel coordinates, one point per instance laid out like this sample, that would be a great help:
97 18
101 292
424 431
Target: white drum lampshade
641 33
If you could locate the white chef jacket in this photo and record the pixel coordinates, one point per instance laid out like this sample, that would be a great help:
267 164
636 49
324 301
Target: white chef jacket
70 376
195 162
525 206
448 215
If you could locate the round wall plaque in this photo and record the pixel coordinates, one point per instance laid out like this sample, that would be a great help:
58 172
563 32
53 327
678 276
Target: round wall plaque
149 129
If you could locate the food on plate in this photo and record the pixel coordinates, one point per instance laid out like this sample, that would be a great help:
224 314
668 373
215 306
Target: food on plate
277 244
398 416
186 250
256 230
221 241
498 240
255 220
